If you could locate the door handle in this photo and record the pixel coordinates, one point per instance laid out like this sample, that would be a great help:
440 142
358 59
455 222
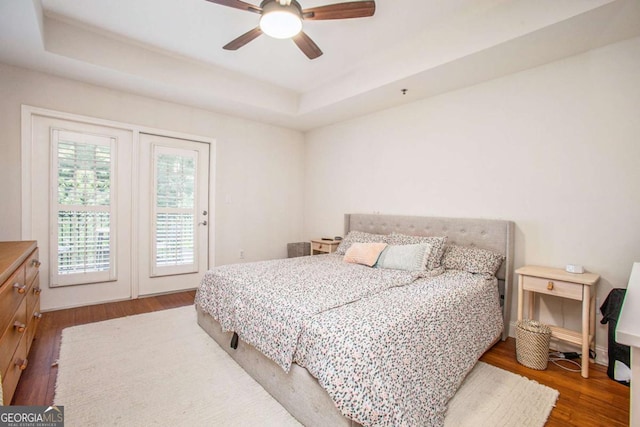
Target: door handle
203 223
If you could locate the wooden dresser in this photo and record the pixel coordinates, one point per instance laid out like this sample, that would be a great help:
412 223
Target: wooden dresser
19 309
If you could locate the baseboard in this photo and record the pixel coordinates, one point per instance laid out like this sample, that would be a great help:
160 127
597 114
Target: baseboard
602 357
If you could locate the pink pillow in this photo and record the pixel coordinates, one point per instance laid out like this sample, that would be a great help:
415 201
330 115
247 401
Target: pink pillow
364 253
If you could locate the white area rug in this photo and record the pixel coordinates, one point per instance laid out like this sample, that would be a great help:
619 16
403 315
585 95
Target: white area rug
490 396
161 369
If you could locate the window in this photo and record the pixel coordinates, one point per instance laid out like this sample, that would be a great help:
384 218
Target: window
174 215
83 203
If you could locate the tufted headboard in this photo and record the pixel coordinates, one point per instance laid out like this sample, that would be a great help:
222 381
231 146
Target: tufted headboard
496 235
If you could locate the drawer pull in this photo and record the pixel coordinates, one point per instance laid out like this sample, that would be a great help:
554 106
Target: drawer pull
20 288
20 327
37 291
550 286
37 315
22 364
36 263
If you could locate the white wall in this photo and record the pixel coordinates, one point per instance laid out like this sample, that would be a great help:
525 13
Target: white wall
555 149
258 175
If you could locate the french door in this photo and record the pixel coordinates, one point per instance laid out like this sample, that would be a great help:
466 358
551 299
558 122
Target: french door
80 198
117 212
173 214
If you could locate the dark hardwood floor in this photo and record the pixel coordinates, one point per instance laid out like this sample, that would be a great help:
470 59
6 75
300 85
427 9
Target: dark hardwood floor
596 401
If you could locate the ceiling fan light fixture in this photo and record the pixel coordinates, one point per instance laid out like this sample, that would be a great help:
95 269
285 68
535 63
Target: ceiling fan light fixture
282 19
280 22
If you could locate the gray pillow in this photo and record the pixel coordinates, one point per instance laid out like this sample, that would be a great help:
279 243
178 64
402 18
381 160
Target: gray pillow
405 257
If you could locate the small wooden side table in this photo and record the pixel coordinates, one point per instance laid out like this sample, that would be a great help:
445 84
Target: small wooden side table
558 282
319 246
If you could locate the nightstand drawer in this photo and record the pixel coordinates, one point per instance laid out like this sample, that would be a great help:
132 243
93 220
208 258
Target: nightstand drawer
553 287
323 246
315 246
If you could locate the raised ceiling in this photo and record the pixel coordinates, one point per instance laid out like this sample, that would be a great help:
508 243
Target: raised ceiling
172 50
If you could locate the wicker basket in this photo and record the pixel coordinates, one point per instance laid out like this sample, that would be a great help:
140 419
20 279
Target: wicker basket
532 344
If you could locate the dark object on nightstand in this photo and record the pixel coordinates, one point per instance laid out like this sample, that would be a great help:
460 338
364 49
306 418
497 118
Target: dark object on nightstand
610 310
298 249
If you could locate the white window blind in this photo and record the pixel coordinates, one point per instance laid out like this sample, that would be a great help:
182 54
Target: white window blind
83 203
174 216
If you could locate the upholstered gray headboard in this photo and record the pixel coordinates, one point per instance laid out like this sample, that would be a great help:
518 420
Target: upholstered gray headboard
493 234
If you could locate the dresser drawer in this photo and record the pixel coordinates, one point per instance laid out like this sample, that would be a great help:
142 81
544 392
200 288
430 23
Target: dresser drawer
553 287
33 294
15 330
12 293
17 363
32 264
32 325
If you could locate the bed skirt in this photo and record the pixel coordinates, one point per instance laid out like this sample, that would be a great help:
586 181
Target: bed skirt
297 391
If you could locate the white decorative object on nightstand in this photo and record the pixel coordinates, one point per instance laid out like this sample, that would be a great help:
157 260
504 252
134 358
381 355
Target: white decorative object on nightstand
558 282
319 246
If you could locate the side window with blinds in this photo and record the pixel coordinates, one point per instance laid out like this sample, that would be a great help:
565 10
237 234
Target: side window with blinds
174 214
83 208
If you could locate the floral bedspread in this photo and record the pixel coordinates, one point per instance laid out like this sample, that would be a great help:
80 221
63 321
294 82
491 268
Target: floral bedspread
396 358
389 348
267 309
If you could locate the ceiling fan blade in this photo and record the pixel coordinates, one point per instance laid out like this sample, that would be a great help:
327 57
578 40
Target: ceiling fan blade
354 9
238 4
237 43
306 45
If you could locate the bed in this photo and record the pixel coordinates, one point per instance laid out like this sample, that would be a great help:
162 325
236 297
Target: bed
379 351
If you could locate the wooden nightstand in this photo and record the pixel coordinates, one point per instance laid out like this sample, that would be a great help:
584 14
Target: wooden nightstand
319 246
555 281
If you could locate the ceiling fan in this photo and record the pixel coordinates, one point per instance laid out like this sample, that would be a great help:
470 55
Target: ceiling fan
283 19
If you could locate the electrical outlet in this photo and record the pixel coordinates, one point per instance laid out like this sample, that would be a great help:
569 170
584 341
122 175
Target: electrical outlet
241 253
